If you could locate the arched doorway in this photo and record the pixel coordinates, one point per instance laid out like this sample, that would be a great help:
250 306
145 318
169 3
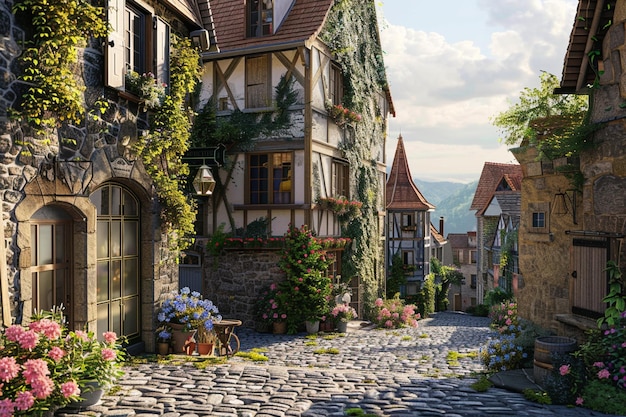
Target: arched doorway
118 261
51 260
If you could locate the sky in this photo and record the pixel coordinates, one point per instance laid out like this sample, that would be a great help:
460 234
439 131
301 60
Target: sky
453 66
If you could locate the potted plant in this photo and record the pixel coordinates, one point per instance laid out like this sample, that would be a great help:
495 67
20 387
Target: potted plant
164 338
43 366
343 313
184 312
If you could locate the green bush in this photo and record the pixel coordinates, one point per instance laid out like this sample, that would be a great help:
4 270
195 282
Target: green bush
480 310
425 298
604 397
497 296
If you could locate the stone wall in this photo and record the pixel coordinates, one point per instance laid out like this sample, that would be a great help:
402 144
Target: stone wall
235 279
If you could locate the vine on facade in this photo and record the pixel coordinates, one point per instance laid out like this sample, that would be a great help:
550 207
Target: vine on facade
53 94
161 151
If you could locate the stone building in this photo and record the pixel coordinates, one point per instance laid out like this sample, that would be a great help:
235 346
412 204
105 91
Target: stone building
81 216
569 232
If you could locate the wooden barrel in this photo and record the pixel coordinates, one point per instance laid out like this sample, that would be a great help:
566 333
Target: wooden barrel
545 348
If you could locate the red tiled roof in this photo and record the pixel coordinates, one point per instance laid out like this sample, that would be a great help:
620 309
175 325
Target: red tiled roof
303 22
492 175
438 237
402 193
593 17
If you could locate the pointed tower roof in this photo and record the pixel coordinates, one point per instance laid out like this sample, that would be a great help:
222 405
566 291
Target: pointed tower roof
402 193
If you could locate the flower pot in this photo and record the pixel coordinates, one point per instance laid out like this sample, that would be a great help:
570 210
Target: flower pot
91 393
312 326
179 337
163 348
342 326
327 325
279 327
205 348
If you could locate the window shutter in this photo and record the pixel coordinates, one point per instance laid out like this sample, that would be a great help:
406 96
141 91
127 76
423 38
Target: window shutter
162 51
114 56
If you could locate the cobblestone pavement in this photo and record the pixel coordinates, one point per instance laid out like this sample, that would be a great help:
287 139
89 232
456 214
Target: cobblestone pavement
386 373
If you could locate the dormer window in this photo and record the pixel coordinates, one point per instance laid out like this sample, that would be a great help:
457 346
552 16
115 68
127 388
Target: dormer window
260 18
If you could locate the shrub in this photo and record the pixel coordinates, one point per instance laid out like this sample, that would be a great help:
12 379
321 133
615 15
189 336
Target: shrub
392 313
480 310
497 296
502 354
603 397
504 318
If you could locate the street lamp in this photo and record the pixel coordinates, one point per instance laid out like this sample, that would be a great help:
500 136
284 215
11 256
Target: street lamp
204 183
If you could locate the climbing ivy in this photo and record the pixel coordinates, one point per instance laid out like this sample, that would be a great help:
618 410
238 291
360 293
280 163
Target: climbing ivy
351 33
238 130
53 95
162 149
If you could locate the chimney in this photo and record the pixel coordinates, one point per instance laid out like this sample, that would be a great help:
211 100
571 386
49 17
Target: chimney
441 226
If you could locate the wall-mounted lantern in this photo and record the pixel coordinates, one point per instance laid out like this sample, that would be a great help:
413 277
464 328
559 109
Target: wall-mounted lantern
204 183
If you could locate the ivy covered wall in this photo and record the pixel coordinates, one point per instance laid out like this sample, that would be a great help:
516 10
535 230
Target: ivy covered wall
351 32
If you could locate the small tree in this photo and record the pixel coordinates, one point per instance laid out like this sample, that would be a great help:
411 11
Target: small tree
516 123
307 287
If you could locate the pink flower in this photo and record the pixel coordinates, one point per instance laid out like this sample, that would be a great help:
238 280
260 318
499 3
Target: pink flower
579 401
24 400
42 387
564 370
82 335
6 408
389 323
108 354
109 337
50 328
264 316
69 389
598 364
283 316
14 332
29 339
9 368
56 353
272 286
378 302
296 288
275 316
604 374
35 369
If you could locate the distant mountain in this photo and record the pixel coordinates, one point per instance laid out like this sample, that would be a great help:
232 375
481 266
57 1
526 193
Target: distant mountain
453 201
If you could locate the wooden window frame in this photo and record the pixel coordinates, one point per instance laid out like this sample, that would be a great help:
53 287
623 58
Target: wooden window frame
340 179
267 187
151 52
336 85
537 210
260 18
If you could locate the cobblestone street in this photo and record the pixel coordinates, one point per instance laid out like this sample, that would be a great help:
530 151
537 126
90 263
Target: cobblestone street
384 372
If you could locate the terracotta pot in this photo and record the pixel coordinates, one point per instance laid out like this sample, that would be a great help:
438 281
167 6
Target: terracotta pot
205 348
163 348
279 327
179 337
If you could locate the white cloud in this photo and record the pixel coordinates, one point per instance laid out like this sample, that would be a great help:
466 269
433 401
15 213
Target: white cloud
445 93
